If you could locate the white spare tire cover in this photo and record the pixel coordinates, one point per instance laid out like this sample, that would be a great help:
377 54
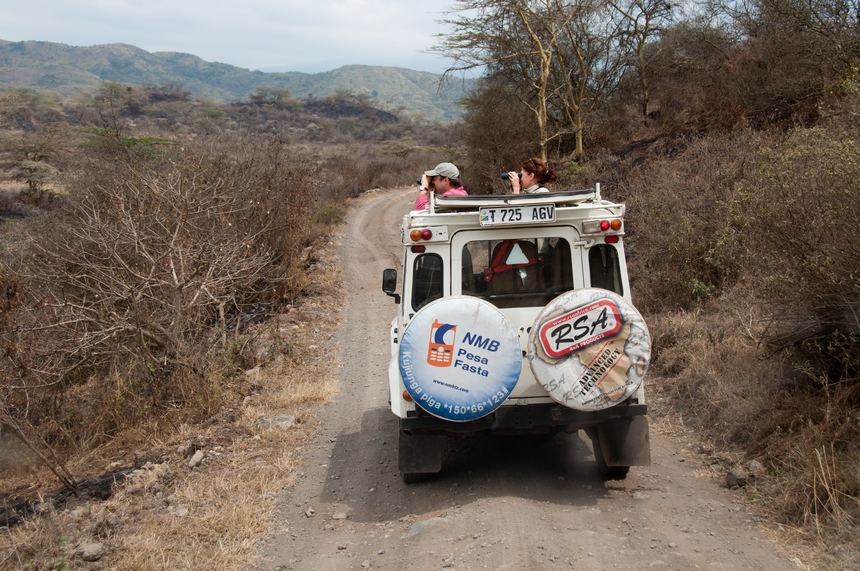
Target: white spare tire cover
460 358
589 349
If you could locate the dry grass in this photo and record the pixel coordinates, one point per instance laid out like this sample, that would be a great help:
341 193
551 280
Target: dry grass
715 369
230 496
750 402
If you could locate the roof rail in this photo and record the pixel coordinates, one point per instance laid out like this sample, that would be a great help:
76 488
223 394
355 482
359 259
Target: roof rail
560 198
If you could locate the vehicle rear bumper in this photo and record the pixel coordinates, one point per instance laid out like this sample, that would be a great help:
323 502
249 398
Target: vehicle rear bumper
523 419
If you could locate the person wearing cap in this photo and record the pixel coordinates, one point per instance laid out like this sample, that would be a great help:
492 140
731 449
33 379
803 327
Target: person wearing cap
444 179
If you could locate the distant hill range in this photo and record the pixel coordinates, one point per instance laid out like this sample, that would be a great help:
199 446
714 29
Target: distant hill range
71 70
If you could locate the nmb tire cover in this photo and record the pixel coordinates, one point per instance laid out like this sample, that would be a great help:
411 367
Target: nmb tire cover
589 349
460 358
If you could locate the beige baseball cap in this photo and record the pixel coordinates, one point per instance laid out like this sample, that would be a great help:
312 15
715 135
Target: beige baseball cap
444 169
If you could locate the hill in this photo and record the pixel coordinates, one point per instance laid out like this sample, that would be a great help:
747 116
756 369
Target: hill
70 70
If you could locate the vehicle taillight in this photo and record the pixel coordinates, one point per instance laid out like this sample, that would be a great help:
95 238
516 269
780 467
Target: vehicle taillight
611 239
418 249
607 225
407 397
421 234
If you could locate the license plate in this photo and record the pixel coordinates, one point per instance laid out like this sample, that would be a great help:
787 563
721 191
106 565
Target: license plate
516 215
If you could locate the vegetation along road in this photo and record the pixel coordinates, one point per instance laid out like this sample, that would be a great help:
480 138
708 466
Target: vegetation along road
500 503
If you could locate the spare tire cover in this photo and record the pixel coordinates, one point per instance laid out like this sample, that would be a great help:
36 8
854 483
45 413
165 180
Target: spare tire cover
460 358
589 349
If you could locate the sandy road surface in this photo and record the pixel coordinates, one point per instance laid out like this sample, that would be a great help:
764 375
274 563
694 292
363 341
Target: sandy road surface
500 503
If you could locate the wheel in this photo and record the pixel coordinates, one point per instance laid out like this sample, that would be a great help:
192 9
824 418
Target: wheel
413 477
419 456
606 472
612 472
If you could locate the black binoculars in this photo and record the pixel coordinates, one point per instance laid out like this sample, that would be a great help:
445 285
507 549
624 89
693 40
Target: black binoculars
506 177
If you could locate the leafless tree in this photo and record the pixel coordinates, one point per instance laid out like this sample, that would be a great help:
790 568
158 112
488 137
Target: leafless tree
640 21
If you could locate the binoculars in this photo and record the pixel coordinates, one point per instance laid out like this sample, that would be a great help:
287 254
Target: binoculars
506 177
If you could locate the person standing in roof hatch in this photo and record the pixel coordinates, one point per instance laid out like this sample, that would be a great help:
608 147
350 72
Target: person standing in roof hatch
444 179
534 174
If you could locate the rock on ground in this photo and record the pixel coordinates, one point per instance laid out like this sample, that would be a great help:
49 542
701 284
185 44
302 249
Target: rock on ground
196 459
737 478
90 551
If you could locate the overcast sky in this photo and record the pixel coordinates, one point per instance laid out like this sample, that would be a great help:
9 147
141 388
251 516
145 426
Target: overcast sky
296 35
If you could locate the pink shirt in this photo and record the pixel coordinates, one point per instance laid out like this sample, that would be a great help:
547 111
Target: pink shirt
423 197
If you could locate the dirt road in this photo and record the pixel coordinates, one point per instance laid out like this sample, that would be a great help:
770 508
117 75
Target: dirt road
500 503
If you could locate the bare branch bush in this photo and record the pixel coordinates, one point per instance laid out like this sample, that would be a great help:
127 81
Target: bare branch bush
754 238
682 241
812 287
150 271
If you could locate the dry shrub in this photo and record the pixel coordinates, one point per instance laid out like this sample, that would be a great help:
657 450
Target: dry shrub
799 207
361 168
680 235
809 287
812 445
766 227
712 367
129 299
230 496
7 202
743 396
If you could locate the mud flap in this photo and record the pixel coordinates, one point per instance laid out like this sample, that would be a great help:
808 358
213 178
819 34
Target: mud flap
623 443
421 453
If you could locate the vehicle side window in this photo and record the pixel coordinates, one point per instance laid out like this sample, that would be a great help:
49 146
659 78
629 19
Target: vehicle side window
426 279
604 268
524 272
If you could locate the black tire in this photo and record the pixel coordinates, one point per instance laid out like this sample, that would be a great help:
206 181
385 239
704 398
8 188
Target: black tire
419 455
605 472
612 472
413 477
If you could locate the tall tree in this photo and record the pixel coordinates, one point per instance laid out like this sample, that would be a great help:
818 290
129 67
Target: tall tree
640 21
564 53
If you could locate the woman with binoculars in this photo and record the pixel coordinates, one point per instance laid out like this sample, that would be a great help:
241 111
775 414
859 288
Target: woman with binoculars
534 174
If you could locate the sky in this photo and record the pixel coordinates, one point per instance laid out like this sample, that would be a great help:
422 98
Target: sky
290 35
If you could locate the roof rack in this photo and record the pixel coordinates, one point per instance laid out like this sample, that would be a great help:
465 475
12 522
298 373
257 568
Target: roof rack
560 198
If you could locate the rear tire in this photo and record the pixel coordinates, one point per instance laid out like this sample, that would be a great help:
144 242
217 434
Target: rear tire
413 477
419 455
606 472
611 472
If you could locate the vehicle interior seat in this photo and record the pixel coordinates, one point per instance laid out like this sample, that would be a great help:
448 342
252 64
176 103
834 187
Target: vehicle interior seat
510 278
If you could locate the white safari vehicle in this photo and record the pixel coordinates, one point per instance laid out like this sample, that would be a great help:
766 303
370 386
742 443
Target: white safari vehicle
515 317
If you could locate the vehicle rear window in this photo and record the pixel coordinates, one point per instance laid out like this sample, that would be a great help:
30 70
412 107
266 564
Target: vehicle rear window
426 279
525 272
604 268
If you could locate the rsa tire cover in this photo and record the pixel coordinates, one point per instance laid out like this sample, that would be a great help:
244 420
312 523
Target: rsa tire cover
589 348
460 358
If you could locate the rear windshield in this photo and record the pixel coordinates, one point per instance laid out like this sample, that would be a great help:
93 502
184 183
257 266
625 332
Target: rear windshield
525 272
